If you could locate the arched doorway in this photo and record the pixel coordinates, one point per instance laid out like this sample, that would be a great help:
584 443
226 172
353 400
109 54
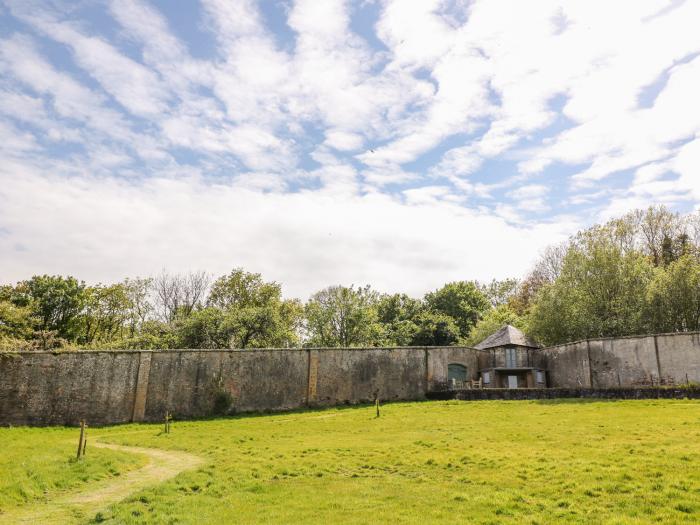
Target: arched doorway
456 375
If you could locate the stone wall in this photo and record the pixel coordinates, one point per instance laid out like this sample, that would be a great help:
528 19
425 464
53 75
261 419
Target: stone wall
53 389
567 365
669 359
440 358
679 357
522 394
42 388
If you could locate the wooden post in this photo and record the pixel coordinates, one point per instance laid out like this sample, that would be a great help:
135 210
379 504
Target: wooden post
376 404
82 437
167 419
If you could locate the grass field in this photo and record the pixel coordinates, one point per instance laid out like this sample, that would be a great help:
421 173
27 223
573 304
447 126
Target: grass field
432 462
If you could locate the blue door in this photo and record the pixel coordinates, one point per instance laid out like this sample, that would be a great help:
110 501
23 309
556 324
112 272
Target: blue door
457 372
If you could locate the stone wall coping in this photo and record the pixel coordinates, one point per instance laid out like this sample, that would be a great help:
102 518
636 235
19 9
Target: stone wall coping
229 350
617 338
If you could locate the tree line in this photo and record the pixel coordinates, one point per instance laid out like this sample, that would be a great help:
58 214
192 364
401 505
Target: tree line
636 274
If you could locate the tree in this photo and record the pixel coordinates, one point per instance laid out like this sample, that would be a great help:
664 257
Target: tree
15 321
397 314
463 301
152 334
601 292
499 292
203 329
56 302
105 314
692 229
435 329
179 294
493 321
657 226
242 311
673 298
273 325
140 306
242 289
343 316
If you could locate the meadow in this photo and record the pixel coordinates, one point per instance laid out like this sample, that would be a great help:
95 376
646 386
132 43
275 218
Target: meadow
487 462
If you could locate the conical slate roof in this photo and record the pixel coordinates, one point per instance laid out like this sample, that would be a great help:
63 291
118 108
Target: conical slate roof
508 335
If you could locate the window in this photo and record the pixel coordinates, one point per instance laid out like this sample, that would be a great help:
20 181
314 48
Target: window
457 372
486 376
511 358
540 376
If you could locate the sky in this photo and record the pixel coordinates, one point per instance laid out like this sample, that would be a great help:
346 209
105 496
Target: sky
398 143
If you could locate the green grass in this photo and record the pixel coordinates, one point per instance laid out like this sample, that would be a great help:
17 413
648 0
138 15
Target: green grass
37 464
450 462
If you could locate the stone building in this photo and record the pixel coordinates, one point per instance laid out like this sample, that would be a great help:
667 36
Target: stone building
510 359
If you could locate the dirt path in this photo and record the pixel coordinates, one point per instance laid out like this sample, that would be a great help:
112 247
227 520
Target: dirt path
80 506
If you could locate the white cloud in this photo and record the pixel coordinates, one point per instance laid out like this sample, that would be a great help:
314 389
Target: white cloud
136 87
343 140
306 240
20 59
530 191
318 156
13 141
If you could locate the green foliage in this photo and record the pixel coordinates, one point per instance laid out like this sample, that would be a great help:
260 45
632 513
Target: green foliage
15 321
500 292
343 316
397 315
493 321
203 329
105 313
673 297
14 344
243 311
56 302
140 307
272 325
223 401
435 329
153 335
463 301
241 289
601 292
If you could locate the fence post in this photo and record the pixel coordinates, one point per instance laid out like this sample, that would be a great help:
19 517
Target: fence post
82 437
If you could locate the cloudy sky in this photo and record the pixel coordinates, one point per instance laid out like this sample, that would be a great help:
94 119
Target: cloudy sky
400 143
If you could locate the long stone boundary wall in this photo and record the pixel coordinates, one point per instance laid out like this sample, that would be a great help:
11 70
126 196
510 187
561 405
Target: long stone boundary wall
666 359
117 386
103 387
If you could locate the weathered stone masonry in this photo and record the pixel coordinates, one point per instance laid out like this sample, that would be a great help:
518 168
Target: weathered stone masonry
666 359
44 388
